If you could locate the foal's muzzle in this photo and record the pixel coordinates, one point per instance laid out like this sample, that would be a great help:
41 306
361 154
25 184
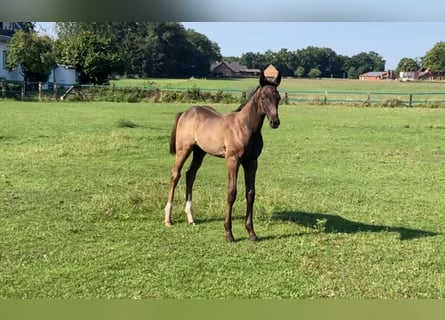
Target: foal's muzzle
275 123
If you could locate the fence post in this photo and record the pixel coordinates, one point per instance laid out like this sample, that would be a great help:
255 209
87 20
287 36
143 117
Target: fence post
325 97
4 89
40 90
22 92
286 98
410 99
55 90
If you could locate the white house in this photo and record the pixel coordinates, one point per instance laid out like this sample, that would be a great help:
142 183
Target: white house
64 75
7 29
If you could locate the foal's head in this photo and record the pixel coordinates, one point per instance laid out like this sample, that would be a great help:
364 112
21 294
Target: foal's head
268 100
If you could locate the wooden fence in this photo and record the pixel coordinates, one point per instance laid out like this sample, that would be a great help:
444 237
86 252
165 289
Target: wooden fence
54 91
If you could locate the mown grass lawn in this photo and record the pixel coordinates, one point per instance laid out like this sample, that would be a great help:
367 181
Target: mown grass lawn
349 205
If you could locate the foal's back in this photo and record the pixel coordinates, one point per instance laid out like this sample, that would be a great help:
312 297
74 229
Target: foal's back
215 133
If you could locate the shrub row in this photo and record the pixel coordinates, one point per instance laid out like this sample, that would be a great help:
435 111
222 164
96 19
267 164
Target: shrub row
133 94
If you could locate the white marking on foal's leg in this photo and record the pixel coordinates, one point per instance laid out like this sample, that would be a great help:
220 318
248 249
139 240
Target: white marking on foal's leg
189 212
168 214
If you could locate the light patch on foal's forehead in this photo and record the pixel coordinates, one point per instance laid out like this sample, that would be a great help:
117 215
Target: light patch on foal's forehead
270 90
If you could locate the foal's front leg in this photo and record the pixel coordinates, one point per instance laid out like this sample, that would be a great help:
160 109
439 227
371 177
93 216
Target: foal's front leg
232 168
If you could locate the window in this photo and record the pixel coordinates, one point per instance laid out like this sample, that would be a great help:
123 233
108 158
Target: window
5 55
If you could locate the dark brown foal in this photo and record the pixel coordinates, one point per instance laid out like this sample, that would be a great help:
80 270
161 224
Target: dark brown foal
235 136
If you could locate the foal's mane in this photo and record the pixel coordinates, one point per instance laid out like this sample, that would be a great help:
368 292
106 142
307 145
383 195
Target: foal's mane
251 94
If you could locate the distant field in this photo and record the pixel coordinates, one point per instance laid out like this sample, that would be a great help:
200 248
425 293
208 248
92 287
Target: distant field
349 205
319 91
293 84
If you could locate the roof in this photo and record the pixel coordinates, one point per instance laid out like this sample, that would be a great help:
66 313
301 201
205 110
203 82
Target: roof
235 66
374 73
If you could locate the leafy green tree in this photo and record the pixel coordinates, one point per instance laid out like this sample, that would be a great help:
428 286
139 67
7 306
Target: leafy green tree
202 53
231 58
378 63
314 73
353 73
299 72
33 53
284 60
106 29
365 62
434 59
166 50
255 60
134 54
95 56
407 64
323 59
156 49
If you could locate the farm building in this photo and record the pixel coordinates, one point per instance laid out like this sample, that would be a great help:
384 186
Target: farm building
416 75
232 70
376 75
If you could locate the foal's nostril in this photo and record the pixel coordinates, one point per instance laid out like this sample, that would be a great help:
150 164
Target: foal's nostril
275 124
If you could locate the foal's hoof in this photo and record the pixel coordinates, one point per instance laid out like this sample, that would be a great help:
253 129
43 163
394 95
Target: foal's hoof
253 237
230 238
168 223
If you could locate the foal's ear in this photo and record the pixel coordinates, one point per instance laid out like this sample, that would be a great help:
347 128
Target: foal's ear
277 80
263 79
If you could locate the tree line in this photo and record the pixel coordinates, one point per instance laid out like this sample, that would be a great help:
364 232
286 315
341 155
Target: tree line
100 50
316 62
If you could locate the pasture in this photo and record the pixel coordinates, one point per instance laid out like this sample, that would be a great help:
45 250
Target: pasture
349 205
314 91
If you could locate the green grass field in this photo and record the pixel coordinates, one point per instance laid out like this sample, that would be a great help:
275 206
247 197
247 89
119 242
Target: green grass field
349 205
290 84
317 91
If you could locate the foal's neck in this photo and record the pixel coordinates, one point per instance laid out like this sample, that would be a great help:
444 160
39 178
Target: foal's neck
252 115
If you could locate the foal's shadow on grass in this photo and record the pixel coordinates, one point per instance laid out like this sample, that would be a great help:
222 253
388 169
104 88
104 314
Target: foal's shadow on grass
331 223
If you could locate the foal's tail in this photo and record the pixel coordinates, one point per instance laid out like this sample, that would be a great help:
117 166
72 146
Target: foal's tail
173 134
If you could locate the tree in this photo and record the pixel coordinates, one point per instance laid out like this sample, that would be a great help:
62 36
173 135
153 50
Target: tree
95 56
378 63
352 73
33 53
314 73
202 53
323 59
135 54
365 62
434 59
254 60
407 64
155 49
299 72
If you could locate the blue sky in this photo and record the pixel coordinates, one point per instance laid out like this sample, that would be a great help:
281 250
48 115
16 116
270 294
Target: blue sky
392 40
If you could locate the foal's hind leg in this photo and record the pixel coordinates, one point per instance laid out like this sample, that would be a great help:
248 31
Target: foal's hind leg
198 156
181 156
